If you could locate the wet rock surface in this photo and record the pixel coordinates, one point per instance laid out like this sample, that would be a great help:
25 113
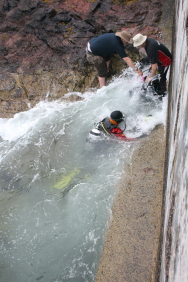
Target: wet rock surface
43 43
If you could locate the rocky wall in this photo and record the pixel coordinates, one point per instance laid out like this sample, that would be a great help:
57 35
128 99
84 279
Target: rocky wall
42 45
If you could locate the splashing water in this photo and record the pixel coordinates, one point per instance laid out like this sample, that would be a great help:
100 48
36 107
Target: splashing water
57 189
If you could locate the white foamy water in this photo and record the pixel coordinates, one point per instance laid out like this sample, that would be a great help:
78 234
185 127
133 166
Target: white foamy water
57 189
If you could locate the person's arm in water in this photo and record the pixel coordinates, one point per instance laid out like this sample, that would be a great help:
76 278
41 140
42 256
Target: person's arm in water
154 68
130 63
117 132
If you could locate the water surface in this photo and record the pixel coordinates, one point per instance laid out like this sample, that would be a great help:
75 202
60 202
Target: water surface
56 189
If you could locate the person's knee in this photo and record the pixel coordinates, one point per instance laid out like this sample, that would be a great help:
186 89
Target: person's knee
102 69
102 72
101 66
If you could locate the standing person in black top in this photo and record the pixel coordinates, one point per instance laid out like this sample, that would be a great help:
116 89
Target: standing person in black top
159 57
99 51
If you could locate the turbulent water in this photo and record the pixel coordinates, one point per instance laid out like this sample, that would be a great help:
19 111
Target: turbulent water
57 189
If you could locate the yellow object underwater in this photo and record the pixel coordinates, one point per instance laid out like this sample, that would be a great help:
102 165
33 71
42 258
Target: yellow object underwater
66 179
148 117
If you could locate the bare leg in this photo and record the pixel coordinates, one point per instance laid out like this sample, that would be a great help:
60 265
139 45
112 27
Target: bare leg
101 81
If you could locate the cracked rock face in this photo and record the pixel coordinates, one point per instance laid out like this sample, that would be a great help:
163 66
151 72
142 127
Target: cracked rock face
42 44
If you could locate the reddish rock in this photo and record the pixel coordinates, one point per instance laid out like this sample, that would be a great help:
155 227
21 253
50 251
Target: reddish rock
50 37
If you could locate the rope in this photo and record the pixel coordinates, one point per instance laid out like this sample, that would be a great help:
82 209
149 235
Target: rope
104 128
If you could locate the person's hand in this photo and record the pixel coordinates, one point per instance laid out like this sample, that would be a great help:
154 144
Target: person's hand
148 79
139 72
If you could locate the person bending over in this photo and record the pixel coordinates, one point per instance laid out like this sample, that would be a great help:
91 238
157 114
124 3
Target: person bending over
159 56
99 51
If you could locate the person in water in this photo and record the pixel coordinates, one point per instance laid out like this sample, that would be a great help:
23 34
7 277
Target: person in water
100 49
109 126
158 55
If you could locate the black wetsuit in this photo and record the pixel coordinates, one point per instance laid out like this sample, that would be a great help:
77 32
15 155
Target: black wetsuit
112 129
106 126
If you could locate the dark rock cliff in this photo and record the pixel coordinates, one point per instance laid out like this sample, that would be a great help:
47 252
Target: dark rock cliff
42 44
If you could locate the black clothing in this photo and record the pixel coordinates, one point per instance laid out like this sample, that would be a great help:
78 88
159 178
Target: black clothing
162 83
112 129
106 45
99 63
106 126
159 54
